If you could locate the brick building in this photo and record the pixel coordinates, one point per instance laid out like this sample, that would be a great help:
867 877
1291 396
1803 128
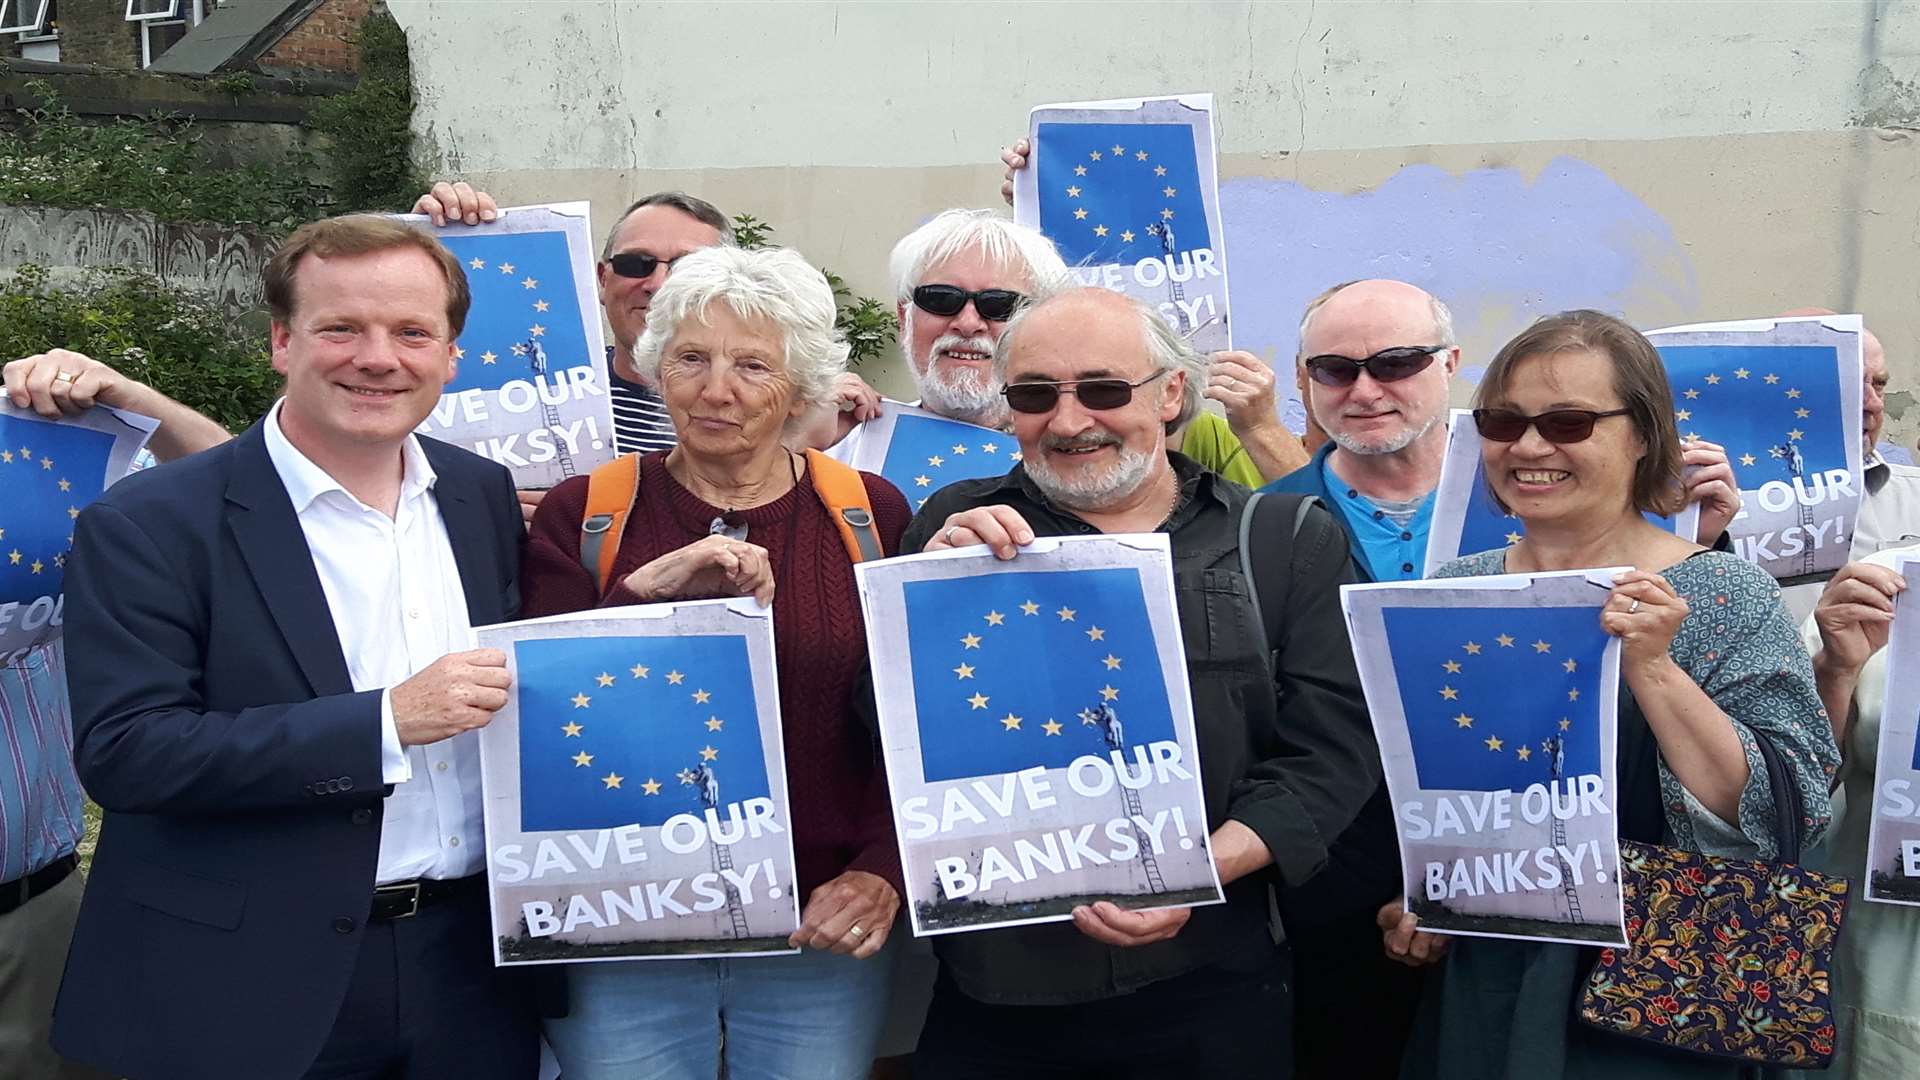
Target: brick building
273 37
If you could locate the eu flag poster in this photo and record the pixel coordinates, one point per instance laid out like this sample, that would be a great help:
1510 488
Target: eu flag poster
1467 521
50 469
921 452
1128 190
1892 857
1037 728
1495 702
530 382
1784 397
635 792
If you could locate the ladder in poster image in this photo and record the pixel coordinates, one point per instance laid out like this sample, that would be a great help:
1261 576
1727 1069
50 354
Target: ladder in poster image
1181 323
708 786
549 412
1789 452
1556 748
1115 737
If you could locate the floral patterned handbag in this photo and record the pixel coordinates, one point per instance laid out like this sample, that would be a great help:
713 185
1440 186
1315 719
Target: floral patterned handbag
1725 958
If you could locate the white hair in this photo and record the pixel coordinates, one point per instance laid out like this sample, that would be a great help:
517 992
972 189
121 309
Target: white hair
1166 350
771 283
1443 336
1009 246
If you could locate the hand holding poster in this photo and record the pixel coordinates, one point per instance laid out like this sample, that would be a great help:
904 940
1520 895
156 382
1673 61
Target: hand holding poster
49 470
1038 731
1893 839
1783 396
530 387
1129 192
1494 700
636 796
921 452
1466 520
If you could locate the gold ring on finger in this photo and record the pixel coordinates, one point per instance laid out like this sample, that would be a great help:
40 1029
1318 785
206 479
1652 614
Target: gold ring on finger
64 376
856 931
1633 607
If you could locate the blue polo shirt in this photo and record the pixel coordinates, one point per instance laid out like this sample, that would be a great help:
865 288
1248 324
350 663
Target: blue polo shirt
1391 551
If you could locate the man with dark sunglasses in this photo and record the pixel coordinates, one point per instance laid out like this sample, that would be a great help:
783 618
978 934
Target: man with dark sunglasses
1096 383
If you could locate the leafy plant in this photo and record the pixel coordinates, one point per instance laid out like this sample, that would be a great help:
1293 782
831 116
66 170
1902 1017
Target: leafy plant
178 341
867 324
370 160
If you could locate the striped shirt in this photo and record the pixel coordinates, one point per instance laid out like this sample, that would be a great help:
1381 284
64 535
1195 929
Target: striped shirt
40 800
640 421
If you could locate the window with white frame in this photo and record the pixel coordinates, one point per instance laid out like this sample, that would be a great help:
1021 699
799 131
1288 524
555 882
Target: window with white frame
164 22
33 24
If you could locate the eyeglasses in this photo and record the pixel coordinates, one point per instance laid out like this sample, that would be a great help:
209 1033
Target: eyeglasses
1097 394
637 264
1558 426
994 305
1387 365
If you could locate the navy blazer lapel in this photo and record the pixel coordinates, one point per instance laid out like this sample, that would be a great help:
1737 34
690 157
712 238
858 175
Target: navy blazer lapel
268 533
470 535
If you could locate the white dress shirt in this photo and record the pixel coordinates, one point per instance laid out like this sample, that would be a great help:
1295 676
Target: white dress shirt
395 595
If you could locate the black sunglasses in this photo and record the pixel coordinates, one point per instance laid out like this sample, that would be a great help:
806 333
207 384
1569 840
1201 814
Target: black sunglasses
994 305
1387 365
1558 426
1096 394
637 264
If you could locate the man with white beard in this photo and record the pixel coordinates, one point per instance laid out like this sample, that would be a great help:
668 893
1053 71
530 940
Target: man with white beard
1096 383
957 280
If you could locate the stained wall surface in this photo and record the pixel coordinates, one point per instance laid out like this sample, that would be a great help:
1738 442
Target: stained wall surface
1672 162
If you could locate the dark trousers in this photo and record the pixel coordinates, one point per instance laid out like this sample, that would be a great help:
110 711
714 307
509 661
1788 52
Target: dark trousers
1208 1023
1353 1007
426 1003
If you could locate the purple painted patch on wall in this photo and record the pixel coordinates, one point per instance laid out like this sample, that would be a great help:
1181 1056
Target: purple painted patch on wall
1498 248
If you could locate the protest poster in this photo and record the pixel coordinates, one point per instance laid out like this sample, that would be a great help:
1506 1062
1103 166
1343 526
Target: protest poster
50 469
530 386
1494 701
635 787
921 452
1467 521
1893 835
1129 191
1783 397
1037 729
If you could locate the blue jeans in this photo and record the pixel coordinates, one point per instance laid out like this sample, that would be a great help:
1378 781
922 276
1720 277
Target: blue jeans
815 1016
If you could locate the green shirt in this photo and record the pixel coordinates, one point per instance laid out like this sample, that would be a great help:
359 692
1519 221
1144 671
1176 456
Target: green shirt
1209 441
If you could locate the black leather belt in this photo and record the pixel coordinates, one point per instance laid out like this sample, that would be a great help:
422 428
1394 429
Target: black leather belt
405 899
15 894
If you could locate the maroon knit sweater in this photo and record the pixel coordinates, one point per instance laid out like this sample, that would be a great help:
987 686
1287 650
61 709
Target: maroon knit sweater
842 819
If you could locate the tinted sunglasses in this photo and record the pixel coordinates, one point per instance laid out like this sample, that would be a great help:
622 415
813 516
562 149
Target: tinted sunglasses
1387 365
637 264
994 305
1558 426
1097 394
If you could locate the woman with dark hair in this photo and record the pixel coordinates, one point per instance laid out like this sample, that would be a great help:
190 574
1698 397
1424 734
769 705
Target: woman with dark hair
1579 440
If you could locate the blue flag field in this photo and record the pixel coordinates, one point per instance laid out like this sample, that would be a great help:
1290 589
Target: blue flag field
1014 670
633 730
1119 193
1776 408
1498 698
526 318
49 471
926 453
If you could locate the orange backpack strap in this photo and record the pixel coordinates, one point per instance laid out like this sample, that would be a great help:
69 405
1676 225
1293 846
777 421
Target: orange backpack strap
611 490
845 494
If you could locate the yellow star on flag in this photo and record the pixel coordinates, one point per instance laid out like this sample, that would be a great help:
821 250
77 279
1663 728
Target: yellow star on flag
1741 373
477 263
65 484
1108 693
1079 170
964 671
936 461
994 618
1463 720
1523 753
1010 722
1093 155
1066 613
1094 633
971 641
1505 641
1080 213
506 268
604 679
1571 665
612 780
1051 727
582 759
1693 393
978 700
1112 662
651 787
1452 667
1168 192
639 670
1713 380
529 283
489 356
1494 743
1472 647
540 305
1139 155
708 753
537 330
1073 192
580 701
1118 150
923 480
573 730
1029 608
1159 170
1449 693
675 678
1541 647
1747 459
1099 230
714 723
1770 379
700 697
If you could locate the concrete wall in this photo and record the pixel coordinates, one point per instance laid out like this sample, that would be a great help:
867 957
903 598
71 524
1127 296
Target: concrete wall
1670 161
224 261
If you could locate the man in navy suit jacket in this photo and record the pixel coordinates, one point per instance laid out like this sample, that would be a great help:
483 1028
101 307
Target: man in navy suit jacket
276 708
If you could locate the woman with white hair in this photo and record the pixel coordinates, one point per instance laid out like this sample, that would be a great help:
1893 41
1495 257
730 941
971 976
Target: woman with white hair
741 345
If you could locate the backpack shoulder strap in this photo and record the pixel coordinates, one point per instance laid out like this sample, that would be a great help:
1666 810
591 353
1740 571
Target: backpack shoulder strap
1269 525
845 495
611 490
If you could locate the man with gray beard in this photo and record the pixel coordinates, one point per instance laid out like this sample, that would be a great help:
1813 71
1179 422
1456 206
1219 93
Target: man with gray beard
1096 382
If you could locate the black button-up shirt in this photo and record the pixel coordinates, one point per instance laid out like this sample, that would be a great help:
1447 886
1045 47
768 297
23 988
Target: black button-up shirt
1285 746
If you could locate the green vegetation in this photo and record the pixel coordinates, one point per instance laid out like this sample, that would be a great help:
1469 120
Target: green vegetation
866 323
